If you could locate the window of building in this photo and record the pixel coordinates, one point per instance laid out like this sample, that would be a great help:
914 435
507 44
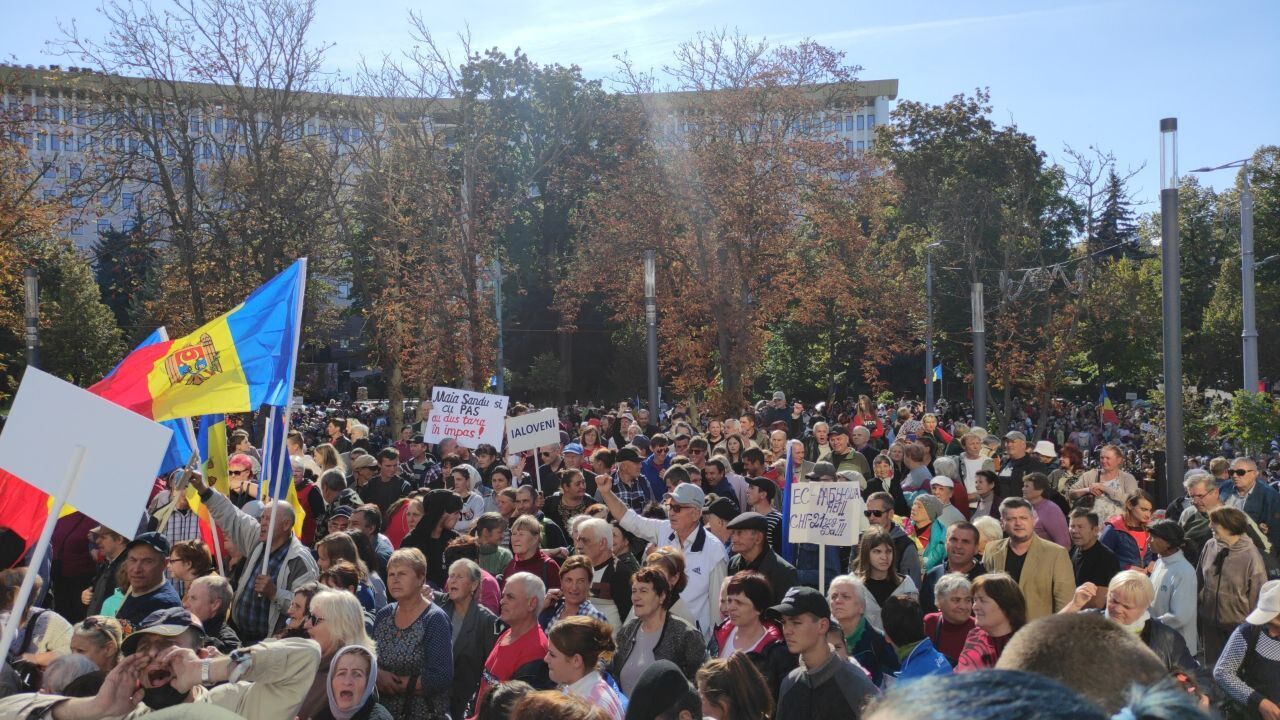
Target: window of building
55 142
871 122
861 146
73 171
129 225
126 200
104 226
104 200
50 172
861 121
77 229
42 140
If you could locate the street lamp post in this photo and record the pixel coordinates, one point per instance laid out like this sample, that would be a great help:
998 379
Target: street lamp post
1171 276
979 356
31 285
651 319
1248 307
501 384
928 338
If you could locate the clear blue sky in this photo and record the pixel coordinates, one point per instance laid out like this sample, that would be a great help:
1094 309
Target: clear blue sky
1100 73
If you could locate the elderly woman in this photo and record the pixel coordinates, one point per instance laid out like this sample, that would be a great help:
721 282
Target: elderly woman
350 684
190 559
1051 523
414 644
464 481
989 531
571 598
474 629
1070 465
1231 574
98 638
334 620
971 460
957 495
862 641
527 553
654 633
950 626
928 530
1106 488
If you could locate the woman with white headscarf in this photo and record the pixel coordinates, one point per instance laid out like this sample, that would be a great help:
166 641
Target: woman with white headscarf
351 685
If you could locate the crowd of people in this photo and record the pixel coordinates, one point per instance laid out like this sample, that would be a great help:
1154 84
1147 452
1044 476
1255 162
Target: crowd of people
640 569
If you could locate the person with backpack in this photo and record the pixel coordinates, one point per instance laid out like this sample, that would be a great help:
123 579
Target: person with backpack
1248 671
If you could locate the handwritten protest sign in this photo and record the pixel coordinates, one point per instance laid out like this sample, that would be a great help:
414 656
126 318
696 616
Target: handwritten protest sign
533 430
470 417
829 513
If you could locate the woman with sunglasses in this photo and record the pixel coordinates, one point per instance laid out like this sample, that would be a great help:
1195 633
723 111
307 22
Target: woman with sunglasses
334 620
98 638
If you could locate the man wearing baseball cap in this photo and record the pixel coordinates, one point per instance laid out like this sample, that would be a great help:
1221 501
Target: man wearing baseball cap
146 559
1018 462
1255 645
823 685
165 666
704 554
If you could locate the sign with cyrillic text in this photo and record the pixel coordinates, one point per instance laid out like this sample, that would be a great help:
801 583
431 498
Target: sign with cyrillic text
472 418
533 430
829 513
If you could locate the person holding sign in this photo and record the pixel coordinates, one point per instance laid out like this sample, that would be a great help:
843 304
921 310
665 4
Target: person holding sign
704 554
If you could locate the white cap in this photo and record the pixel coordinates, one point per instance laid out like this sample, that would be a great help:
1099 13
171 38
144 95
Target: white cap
1268 604
944 481
1045 448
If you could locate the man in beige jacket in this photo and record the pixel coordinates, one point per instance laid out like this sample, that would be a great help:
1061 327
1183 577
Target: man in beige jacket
1041 568
165 666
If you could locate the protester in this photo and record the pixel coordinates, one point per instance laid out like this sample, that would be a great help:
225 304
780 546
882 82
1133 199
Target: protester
209 599
823 685
528 556
703 553
350 685
520 650
161 669
749 543
863 643
999 611
146 559
435 532
733 688
571 597
654 633
962 548
1126 534
1248 669
1231 575
111 546
473 629
574 648
879 513
1051 524
42 635
904 630
99 639
333 620
1174 580
874 568
1256 499
1104 489
1042 569
949 627
748 597
414 641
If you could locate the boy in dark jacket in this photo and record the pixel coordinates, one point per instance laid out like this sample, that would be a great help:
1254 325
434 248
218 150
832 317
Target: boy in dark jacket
823 685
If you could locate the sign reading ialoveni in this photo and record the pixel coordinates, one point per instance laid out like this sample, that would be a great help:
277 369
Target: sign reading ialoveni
533 430
469 417
829 513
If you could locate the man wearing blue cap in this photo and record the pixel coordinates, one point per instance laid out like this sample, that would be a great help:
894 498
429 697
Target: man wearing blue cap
146 559
704 554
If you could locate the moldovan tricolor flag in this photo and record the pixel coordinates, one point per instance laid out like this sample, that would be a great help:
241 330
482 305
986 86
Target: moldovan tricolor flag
235 363
1106 409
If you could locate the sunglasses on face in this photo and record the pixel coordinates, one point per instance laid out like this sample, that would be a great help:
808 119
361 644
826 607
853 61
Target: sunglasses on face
1241 472
237 473
875 513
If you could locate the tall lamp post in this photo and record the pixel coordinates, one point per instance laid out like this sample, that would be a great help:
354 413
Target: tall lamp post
928 338
1249 333
651 319
979 355
1171 276
31 285
499 360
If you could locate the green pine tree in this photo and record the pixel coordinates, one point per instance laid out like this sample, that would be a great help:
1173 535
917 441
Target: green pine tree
124 265
1117 233
79 337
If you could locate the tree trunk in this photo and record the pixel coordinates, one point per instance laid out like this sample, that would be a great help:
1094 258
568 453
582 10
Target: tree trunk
395 394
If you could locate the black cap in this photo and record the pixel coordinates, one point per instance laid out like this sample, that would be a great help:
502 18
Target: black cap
168 622
750 521
418 439
628 454
765 485
821 469
837 430
153 540
722 508
800 600
660 686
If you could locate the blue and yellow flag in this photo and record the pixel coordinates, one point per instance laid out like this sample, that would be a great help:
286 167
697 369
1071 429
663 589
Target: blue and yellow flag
236 363
277 471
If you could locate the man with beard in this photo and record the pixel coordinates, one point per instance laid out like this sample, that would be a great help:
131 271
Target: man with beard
164 666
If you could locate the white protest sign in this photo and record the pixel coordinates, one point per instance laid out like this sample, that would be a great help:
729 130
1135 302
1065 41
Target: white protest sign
123 449
533 430
470 417
828 513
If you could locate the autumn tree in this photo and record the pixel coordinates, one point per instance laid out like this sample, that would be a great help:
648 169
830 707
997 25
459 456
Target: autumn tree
741 176
1003 218
215 115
